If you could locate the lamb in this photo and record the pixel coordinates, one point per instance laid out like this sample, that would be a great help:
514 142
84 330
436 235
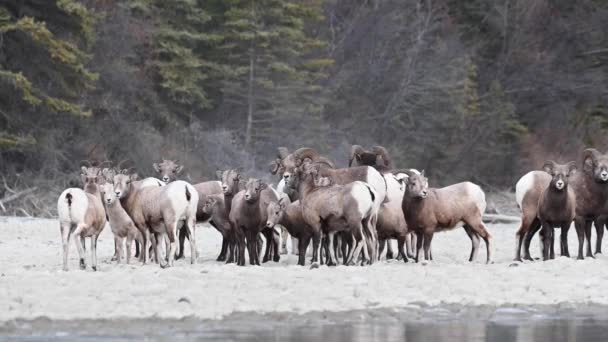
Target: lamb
429 210
289 215
121 224
81 214
214 206
556 206
292 163
591 193
332 208
159 210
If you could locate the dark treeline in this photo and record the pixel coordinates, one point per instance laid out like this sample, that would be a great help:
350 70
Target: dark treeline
479 90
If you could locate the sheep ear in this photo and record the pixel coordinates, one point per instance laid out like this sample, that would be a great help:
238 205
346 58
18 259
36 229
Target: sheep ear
548 167
156 167
133 177
83 170
422 173
179 168
262 185
218 174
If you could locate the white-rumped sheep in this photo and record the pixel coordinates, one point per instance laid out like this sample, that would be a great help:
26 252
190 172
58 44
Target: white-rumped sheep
81 214
293 162
121 224
430 210
159 210
591 191
331 208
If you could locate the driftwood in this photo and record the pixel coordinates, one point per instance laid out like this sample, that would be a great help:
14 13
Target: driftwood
498 218
15 196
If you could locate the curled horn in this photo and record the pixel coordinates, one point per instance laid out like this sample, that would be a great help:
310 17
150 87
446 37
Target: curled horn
282 152
590 153
274 166
354 151
304 153
380 151
88 162
121 162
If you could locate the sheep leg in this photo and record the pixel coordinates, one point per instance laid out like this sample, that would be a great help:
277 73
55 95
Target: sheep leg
413 243
117 243
360 244
599 229
547 237
116 256
145 240
295 246
80 244
172 238
284 237
302 246
128 247
419 239
316 246
588 226
338 247
222 256
534 227
331 257
474 242
401 248
268 236
167 245
389 250
381 246
579 224
241 240
94 252
481 230
428 238
65 242
183 234
157 247
276 240
347 246
258 248
250 248
191 229
137 244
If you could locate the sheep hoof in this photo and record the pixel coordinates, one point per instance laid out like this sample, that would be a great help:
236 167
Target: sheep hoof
94 268
314 265
83 265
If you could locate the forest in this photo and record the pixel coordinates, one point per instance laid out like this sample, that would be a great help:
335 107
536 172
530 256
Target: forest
479 90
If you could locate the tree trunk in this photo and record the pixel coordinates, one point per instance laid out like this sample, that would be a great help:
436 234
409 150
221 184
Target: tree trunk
248 131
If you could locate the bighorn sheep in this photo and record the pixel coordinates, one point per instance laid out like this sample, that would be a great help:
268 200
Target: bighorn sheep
591 191
289 215
331 208
248 218
429 210
81 214
159 210
214 206
291 163
121 224
556 206
377 156
168 169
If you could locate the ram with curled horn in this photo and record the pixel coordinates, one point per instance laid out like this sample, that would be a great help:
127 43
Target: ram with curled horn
590 187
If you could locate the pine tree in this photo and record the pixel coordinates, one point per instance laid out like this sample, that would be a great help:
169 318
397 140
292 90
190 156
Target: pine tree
181 54
41 70
271 72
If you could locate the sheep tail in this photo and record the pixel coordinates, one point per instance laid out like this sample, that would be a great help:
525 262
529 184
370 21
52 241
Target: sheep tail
188 194
69 199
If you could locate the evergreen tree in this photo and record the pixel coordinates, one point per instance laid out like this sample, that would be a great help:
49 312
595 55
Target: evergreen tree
271 68
42 72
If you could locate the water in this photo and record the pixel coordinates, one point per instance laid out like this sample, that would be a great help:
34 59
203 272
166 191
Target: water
411 324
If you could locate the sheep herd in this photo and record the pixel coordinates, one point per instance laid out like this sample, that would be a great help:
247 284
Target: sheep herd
349 214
